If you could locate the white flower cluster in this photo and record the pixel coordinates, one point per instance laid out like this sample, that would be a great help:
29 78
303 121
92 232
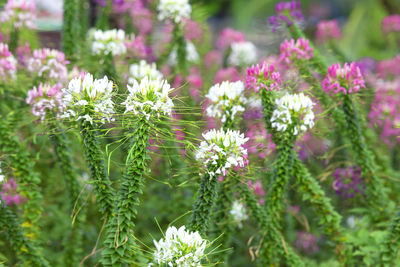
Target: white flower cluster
222 151
143 69
108 42
191 55
238 212
242 54
179 248
149 98
293 109
175 10
86 97
227 99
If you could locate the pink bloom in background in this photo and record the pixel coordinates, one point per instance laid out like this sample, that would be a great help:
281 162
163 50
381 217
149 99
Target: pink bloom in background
263 76
388 69
286 13
9 193
391 24
296 50
136 47
258 190
192 30
348 182
142 18
306 242
212 59
311 146
195 83
49 64
229 36
260 142
44 99
8 64
367 65
327 30
347 79
24 53
20 12
227 74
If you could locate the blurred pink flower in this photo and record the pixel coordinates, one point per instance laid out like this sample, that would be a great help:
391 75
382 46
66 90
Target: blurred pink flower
296 50
391 24
228 74
229 36
347 79
327 30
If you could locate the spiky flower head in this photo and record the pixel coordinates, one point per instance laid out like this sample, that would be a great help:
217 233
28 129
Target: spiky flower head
242 54
19 13
327 30
263 76
296 50
286 13
49 64
149 98
87 99
347 79
238 212
293 112
222 151
143 69
191 54
226 100
174 10
45 99
8 64
108 42
180 248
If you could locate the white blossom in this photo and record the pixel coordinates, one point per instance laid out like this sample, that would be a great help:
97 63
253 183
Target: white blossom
143 69
242 54
191 55
293 110
179 248
238 212
175 10
86 97
226 100
221 151
106 42
1 174
149 98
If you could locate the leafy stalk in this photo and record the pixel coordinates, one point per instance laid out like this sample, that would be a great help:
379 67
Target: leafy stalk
391 246
103 22
14 39
70 31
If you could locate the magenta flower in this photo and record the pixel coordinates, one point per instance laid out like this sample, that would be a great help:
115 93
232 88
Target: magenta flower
19 13
263 76
348 182
229 36
44 99
142 18
258 190
306 242
49 64
192 30
212 59
24 53
9 193
137 48
327 30
8 64
260 142
389 69
227 74
347 79
391 24
286 13
299 50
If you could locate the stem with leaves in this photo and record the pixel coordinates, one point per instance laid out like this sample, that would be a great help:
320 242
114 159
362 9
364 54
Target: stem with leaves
70 31
391 247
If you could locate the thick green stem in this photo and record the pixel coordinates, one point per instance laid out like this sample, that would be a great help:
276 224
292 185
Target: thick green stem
95 160
70 33
120 241
26 251
179 40
103 22
14 39
83 12
391 247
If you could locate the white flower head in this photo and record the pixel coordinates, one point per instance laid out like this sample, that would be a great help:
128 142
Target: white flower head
226 100
221 151
149 98
242 54
143 69
191 55
175 10
86 97
293 111
1 174
106 42
179 248
238 212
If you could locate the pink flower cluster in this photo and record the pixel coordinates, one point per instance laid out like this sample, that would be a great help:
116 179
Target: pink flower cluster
260 142
327 30
229 36
263 76
137 48
45 98
296 50
258 190
19 13
9 193
348 182
306 242
287 13
385 112
347 79
49 64
8 64
227 74
389 69
391 24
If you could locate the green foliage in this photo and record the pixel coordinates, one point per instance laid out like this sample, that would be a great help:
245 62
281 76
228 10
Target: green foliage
70 33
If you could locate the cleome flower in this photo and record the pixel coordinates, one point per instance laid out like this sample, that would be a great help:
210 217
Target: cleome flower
49 64
327 30
299 50
286 13
86 97
221 151
263 76
293 112
238 213
179 248
347 79
143 69
226 100
149 98
391 24
45 98
108 42
19 13
174 10
242 54
8 64
191 55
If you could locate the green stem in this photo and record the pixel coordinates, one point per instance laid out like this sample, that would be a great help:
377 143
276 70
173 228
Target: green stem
103 22
83 18
14 39
70 31
391 247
